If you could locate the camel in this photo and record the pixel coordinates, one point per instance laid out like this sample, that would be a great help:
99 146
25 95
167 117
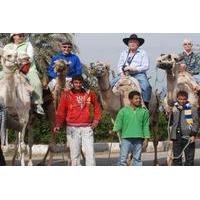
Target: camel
57 87
15 94
112 102
177 79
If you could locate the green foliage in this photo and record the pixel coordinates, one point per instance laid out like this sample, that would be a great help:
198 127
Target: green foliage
162 127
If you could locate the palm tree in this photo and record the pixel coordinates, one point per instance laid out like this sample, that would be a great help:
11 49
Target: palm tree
45 46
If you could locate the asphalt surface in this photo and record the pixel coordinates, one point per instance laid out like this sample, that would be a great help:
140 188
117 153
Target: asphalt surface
102 159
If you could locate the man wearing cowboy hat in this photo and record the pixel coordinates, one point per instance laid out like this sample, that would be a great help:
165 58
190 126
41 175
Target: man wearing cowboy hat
136 62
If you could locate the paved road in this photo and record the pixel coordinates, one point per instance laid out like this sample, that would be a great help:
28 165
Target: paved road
102 159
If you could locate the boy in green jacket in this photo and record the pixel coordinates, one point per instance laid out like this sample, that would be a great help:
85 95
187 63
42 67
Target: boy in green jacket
133 124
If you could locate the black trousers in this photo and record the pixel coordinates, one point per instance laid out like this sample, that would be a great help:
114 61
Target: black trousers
2 159
189 152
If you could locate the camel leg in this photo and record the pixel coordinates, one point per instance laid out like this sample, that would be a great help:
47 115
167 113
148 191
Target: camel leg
155 145
22 148
15 149
42 163
170 154
50 161
30 144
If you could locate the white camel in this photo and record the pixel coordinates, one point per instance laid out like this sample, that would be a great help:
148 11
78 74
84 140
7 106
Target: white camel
15 93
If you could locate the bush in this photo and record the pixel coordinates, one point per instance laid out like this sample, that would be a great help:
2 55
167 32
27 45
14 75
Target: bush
42 134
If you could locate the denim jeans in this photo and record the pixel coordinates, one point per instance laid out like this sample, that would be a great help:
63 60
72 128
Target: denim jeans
81 137
145 86
197 78
134 146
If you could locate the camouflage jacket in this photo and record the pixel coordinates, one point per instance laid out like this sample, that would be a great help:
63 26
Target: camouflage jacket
192 62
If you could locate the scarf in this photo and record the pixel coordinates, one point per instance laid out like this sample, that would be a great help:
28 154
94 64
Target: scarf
187 111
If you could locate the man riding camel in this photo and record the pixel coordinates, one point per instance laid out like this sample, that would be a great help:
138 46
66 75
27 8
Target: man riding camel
135 61
190 60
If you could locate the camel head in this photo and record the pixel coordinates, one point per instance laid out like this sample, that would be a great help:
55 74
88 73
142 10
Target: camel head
99 69
61 67
22 57
167 61
8 59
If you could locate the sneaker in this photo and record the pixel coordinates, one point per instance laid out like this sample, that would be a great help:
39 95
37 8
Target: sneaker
39 110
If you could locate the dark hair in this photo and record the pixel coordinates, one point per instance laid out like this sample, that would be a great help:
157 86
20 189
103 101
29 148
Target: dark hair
182 93
77 77
133 93
66 43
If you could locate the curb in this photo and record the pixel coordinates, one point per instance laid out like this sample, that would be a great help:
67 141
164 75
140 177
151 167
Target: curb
99 147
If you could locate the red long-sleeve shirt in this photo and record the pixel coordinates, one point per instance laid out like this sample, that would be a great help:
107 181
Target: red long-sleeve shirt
75 109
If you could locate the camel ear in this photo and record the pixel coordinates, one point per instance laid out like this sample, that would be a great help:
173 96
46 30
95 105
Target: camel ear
107 66
92 65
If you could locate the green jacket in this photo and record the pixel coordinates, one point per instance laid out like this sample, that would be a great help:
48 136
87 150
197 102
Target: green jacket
132 123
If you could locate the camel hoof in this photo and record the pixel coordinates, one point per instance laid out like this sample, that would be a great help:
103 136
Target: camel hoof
30 163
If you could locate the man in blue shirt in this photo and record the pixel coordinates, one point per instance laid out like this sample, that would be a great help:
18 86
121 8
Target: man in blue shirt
75 67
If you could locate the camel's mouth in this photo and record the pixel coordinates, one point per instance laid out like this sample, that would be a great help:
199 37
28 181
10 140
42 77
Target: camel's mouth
164 65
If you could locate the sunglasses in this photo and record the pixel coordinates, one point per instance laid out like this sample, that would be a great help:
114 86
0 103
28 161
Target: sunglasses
65 47
187 44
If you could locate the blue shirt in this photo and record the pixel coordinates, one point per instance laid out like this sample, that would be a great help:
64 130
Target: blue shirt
75 67
140 60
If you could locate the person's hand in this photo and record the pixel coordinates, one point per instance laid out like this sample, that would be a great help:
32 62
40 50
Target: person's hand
56 129
111 133
94 124
182 67
129 68
122 75
192 139
168 110
145 144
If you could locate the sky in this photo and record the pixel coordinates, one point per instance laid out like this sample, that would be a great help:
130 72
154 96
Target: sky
106 47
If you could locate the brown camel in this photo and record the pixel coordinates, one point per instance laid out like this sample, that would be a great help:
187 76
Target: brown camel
177 79
113 102
61 68
61 83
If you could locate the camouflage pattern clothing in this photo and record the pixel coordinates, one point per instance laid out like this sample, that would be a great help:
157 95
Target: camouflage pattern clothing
192 62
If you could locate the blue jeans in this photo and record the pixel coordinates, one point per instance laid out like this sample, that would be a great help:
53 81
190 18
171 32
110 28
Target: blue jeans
145 86
197 78
134 146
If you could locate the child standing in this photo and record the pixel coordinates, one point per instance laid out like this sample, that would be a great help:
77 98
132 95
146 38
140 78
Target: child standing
185 125
133 124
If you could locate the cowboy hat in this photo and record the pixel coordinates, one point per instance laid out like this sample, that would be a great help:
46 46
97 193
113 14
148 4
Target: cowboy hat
134 37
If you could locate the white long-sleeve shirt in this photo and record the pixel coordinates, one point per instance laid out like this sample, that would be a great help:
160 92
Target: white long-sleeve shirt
140 61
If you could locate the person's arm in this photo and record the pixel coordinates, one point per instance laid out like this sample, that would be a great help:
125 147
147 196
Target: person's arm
97 110
118 121
78 66
51 72
144 64
121 62
30 51
61 110
195 124
146 130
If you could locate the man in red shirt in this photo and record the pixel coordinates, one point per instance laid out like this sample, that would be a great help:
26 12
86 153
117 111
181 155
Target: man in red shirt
75 109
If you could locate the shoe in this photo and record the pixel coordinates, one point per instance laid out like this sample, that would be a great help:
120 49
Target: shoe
39 110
